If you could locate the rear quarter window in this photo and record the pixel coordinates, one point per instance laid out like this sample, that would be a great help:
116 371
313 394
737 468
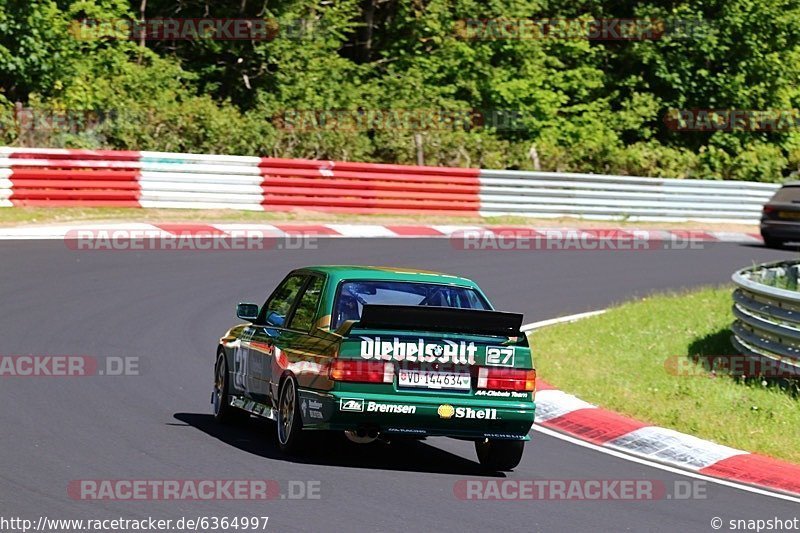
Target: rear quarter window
307 306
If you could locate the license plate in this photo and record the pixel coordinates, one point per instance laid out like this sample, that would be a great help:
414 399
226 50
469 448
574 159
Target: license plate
790 215
434 380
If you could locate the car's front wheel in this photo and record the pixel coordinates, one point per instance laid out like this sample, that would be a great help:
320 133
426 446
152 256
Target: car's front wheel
500 455
224 412
290 425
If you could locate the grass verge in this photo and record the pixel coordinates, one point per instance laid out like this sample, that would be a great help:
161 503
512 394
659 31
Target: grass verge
21 216
618 360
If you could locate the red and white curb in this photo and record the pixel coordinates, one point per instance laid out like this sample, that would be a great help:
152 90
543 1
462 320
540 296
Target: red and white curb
605 430
565 238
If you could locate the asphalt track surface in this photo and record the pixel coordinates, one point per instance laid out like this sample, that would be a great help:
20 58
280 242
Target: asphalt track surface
169 309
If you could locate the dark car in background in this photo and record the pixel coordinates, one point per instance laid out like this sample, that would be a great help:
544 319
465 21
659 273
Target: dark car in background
780 219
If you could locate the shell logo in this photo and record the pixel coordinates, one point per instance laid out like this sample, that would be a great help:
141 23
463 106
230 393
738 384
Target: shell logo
446 411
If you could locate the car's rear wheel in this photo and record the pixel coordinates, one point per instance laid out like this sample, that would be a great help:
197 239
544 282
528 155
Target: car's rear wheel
501 455
224 412
290 425
773 242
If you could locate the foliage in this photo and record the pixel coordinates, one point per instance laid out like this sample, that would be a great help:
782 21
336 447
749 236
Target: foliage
380 80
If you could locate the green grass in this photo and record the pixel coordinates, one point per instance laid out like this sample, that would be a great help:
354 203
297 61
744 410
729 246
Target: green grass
49 215
779 282
618 361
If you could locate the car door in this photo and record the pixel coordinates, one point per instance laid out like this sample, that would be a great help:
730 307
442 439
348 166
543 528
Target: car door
265 334
306 350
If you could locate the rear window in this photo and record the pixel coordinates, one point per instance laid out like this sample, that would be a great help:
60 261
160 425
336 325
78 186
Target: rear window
353 295
787 195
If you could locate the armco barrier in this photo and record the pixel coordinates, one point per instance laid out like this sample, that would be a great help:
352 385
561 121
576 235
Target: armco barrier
59 177
767 321
55 177
612 197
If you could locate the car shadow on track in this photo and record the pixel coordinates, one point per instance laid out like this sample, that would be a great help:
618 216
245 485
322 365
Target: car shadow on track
785 248
328 449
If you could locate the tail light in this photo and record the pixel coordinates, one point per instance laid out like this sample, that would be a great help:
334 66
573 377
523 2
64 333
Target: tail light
362 371
768 209
506 379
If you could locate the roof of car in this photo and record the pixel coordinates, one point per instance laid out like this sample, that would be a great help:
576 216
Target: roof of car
389 273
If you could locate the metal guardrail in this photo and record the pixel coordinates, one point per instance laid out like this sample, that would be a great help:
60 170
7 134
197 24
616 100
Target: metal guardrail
62 177
767 321
65 177
635 198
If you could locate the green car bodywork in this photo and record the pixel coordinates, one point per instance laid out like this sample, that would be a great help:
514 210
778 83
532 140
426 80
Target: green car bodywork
279 363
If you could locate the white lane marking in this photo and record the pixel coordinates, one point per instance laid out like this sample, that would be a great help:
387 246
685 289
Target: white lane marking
674 447
361 230
59 232
667 468
561 320
554 403
729 236
449 230
266 229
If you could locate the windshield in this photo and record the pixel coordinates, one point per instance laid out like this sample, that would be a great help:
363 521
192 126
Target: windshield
353 295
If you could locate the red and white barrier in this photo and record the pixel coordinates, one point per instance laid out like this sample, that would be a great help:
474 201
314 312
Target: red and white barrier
60 177
57 177
565 413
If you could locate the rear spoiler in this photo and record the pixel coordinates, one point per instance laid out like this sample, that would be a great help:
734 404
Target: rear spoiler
449 319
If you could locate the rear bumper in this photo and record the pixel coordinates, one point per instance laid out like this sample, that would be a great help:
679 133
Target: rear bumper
780 229
418 415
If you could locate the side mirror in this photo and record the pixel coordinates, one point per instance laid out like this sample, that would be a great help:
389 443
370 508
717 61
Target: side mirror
247 311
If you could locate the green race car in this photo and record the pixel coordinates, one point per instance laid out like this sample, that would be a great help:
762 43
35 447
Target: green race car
380 353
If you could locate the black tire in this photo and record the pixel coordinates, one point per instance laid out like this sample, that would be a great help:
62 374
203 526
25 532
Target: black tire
773 242
499 455
290 423
224 412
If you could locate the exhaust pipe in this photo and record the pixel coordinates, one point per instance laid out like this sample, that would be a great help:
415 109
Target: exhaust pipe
362 435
